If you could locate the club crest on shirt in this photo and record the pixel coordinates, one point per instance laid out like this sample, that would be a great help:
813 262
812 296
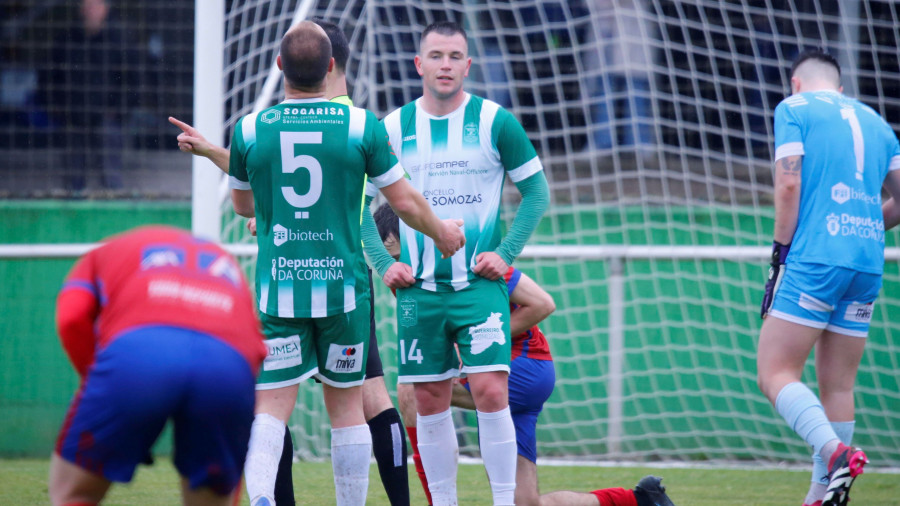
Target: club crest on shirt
470 132
833 224
487 333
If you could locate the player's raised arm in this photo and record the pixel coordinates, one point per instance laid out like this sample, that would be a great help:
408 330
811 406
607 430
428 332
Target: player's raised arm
190 140
534 304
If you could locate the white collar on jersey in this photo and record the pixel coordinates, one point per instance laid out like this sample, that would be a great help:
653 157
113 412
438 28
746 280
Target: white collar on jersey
462 107
304 100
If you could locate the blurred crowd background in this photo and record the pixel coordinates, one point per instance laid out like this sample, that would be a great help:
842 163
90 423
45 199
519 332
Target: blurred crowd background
85 90
86 85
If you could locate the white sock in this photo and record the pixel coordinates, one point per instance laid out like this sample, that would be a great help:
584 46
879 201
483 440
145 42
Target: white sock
497 441
351 450
844 431
803 412
439 450
815 493
263 454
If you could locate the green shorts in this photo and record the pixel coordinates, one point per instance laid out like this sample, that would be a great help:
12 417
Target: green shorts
475 318
332 348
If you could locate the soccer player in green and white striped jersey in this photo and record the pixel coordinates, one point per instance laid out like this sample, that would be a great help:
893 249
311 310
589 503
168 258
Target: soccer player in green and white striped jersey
382 418
299 168
458 149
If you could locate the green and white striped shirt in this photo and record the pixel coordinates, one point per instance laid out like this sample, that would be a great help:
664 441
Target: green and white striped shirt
306 162
459 162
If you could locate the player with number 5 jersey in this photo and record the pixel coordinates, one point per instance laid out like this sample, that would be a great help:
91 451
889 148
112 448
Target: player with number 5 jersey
306 151
299 167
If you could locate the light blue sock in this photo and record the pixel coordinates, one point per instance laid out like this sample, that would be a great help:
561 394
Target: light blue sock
844 431
803 412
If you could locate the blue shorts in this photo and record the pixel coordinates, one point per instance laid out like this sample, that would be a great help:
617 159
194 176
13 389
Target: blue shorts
826 297
531 382
147 376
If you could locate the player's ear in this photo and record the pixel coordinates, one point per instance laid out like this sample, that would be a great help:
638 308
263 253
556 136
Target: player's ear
278 62
795 85
468 66
418 62
331 66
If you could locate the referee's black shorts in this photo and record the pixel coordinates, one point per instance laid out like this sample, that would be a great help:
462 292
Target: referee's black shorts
373 363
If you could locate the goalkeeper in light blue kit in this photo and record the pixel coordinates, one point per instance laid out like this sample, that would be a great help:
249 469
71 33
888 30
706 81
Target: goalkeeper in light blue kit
833 154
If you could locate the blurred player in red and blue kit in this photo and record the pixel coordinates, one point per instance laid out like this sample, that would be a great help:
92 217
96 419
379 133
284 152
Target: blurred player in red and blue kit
158 324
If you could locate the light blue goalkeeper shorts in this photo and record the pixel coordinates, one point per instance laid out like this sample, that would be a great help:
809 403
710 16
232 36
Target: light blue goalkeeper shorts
827 297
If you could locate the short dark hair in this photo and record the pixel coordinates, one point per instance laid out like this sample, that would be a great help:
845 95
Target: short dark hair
387 222
304 57
340 48
817 54
447 28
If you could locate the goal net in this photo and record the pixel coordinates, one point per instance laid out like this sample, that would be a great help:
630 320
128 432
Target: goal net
654 123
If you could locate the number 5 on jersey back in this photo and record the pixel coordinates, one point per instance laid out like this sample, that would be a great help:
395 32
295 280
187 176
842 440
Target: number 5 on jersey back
291 162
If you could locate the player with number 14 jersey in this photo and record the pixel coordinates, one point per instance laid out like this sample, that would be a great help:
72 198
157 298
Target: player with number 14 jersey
459 162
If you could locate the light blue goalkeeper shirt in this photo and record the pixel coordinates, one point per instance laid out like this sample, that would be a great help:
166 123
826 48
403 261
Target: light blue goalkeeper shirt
847 151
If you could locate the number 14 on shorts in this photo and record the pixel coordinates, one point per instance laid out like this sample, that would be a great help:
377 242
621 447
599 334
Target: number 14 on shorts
414 354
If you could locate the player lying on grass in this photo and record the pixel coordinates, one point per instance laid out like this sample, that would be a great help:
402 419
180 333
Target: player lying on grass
531 381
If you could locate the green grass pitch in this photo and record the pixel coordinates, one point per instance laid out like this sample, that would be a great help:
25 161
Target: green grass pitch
24 481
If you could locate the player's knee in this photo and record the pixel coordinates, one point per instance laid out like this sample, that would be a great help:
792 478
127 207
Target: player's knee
375 397
490 397
65 495
406 403
765 383
770 384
